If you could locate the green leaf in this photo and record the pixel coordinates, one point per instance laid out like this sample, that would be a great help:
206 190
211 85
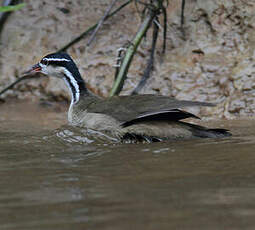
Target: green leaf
11 8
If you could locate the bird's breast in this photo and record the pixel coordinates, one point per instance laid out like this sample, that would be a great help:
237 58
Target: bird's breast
95 121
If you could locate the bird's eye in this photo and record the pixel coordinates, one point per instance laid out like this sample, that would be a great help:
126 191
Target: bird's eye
44 62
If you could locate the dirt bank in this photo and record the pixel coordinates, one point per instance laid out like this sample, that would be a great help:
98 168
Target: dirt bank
213 61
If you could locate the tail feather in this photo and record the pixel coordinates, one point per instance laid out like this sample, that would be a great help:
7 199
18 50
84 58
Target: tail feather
218 133
203 132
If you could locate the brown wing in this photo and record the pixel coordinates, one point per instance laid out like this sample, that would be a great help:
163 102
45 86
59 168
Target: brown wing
128 109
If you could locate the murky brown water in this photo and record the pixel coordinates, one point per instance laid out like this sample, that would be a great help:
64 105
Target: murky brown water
51 179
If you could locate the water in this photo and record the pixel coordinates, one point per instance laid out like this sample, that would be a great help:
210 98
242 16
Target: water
52 179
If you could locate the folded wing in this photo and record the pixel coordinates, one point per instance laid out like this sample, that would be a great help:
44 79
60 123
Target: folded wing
137 108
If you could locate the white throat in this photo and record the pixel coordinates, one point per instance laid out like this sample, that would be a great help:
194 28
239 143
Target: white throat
73 86
74 90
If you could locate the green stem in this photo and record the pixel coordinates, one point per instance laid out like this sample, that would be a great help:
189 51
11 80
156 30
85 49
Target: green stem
118 84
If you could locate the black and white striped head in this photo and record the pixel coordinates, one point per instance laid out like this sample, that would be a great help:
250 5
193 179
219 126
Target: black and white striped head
61 65
55 65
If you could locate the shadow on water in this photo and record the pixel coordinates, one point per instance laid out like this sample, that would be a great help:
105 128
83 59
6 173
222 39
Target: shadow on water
56 178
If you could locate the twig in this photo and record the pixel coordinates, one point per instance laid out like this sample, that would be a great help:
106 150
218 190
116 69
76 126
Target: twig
151 12
16 82
77 39
150 62
182 20
182 13
99 24
120 55
164 30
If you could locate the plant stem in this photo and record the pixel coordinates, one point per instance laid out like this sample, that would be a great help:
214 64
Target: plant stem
150 62
118 84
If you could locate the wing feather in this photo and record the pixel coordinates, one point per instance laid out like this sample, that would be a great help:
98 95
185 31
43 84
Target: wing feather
133 108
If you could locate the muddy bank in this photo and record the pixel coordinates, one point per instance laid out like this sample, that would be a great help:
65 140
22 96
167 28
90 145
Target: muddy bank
213 60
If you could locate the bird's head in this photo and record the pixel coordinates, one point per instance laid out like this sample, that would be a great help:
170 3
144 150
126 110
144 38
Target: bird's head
55 65
61 65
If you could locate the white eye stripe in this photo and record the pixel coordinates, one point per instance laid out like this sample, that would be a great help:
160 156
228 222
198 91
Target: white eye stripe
56 59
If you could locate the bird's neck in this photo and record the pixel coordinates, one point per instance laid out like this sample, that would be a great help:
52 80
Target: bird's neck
76 85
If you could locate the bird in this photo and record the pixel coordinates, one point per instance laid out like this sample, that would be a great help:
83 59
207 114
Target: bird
139 118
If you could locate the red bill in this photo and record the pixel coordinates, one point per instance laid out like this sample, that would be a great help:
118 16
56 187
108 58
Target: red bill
34 69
